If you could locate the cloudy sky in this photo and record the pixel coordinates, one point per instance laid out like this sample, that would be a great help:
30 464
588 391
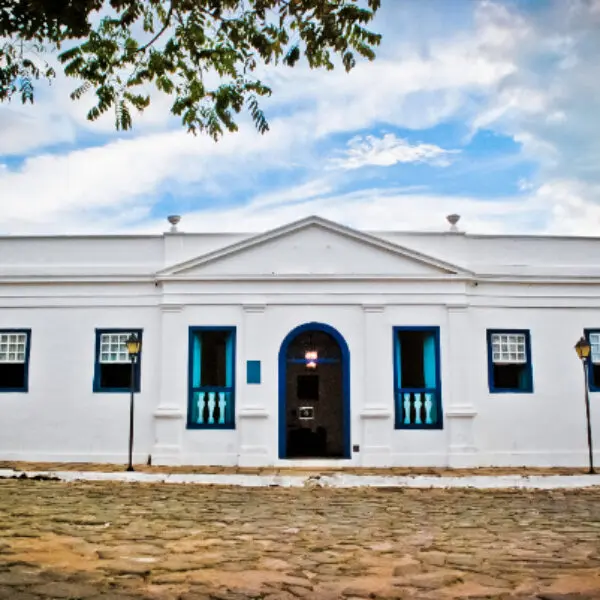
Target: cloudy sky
484 108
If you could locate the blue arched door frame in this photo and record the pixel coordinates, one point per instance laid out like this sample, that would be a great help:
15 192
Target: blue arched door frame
289 338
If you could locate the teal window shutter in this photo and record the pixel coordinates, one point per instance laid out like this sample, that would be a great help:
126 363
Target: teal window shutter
398 362
429 366
229 368
229 358
197 361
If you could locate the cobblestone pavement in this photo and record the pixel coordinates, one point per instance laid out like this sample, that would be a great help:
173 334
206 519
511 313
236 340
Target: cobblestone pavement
111 541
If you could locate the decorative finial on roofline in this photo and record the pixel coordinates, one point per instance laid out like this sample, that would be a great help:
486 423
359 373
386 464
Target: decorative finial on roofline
453 220
174 220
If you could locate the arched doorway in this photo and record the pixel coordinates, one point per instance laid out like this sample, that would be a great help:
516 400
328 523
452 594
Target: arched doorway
314 393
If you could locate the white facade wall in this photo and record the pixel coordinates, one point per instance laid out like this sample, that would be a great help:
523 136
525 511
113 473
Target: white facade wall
60 418
63 294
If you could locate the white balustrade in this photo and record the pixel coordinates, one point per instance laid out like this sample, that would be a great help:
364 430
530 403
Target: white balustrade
418 408
211 408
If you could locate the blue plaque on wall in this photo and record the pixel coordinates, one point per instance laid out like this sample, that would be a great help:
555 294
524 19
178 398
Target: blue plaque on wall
253 371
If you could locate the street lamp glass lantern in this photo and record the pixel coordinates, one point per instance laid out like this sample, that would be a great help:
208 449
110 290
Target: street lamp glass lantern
583 348
133 345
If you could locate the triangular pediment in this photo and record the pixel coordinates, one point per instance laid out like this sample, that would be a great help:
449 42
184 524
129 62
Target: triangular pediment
312 247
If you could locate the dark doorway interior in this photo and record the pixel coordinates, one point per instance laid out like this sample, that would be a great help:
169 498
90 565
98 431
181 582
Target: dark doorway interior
314 397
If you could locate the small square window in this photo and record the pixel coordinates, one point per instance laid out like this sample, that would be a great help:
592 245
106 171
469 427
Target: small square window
113 370
14 360
509 358
509 349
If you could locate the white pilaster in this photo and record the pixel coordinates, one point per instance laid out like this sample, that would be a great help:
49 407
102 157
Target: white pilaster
378 405
257 445
169 416
459 411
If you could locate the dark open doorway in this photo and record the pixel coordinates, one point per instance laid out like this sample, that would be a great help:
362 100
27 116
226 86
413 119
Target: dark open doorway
314 401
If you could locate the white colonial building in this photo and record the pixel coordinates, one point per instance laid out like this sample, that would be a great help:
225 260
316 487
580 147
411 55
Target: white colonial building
309 344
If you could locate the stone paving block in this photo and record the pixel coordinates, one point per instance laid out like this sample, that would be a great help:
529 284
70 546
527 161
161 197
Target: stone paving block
64 590
18 578
13 594
574 596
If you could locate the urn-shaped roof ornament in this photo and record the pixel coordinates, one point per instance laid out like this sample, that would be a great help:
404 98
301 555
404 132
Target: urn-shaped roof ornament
174 220
453 220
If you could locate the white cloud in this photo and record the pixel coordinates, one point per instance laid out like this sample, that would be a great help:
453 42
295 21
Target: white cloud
549 103
390 150
23 130
530 75
300 193
403 87
133 171
372 209
53 192
407 90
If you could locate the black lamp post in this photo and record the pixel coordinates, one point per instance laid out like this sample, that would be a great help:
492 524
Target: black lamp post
134 345
583 349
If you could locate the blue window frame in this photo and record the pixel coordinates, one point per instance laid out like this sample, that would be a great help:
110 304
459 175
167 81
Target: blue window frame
417 379
14 360
593 364
112 365
211 400
509 361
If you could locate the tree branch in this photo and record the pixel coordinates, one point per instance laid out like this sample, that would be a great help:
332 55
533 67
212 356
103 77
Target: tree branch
163 29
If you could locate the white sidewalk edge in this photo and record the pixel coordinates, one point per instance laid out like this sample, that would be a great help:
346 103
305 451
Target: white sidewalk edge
338 480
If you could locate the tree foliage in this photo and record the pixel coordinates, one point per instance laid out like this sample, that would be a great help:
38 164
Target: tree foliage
203 53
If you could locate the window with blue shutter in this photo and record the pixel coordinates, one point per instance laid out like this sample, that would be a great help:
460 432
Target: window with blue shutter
418 400
14 360
509 361
212 378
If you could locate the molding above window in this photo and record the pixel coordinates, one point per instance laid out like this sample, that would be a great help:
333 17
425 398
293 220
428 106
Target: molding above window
171 308
254 308
373 308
